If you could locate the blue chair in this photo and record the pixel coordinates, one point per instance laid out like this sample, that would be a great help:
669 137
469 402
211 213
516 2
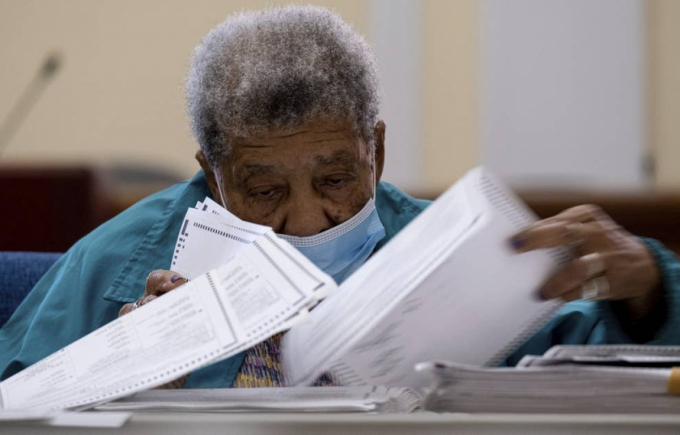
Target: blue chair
19 272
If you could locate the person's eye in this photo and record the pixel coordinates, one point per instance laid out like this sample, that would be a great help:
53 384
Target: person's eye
336 181
265 193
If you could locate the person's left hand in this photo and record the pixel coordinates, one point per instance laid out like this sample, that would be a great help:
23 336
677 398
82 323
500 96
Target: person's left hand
610 263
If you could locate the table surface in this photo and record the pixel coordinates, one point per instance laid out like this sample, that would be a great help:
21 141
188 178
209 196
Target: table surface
168 423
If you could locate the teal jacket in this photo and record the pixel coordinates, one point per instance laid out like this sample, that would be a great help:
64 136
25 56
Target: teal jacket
88 285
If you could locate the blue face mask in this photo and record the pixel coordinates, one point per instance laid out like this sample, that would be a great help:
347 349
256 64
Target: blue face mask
342 249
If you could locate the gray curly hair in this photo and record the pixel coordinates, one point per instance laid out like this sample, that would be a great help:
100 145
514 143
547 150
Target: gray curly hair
277 69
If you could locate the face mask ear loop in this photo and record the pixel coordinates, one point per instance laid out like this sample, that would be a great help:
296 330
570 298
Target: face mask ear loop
218 178
375 175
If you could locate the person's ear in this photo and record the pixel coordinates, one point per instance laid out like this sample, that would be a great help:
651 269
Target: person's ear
379 138
210 177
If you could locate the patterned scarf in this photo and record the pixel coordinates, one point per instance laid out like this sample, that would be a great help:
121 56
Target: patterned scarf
262 367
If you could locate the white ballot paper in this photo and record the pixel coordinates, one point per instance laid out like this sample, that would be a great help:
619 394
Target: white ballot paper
209 237
447 287
240 294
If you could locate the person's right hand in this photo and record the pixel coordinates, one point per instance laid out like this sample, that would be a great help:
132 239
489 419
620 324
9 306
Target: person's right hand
158 283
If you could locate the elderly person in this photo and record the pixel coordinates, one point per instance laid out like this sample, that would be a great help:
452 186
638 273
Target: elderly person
284 106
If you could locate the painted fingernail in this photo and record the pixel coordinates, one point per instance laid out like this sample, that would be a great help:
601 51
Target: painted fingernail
517 242
175 278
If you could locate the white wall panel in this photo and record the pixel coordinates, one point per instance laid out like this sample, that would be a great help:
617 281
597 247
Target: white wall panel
395 34
563 91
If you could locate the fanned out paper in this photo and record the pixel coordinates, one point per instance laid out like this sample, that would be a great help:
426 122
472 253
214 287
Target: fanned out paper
447 287
246 286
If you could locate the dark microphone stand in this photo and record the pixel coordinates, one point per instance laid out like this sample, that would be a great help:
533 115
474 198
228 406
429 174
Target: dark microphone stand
28 98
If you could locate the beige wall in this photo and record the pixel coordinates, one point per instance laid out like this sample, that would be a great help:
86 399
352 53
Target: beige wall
450 91
664 90
119 96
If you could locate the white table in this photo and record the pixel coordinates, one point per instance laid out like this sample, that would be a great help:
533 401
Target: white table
164 423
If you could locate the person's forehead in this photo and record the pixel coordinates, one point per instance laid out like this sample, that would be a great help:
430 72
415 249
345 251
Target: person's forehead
316 145
309 132
264 160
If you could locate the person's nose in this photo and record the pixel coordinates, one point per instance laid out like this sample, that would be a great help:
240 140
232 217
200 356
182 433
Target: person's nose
306 217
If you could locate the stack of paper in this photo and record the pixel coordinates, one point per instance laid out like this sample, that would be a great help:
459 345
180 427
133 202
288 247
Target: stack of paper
567 387
209 237
307 400
607 355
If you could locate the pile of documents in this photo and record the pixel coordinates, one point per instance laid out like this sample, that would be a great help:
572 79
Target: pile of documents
607 355
567 379
273 400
